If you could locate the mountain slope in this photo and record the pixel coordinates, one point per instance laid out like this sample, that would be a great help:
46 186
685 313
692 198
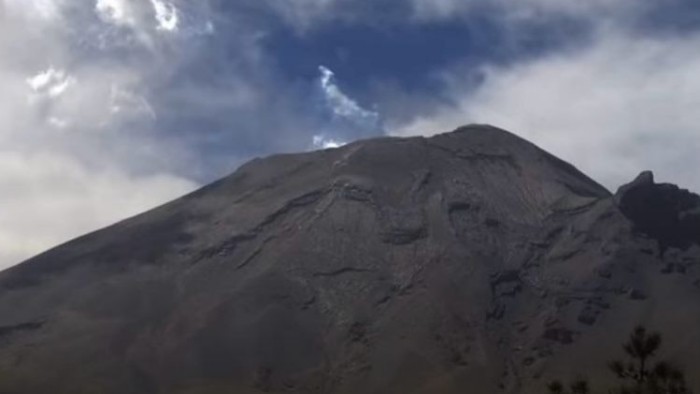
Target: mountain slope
471 261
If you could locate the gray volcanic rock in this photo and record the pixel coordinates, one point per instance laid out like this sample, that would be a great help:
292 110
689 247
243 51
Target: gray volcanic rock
471 261
662 211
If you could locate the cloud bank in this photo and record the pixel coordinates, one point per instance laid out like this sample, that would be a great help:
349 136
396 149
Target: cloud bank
66 165
621 105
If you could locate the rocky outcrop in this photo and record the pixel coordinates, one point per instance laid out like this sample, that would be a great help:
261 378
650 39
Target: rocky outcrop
664 212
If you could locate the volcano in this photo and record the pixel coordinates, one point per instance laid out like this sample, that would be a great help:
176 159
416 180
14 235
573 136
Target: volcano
468 262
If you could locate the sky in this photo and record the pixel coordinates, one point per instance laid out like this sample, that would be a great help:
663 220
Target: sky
112 107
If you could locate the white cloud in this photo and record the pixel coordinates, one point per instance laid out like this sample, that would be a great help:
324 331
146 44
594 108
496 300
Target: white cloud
48 198
117 12
340 104
68 163
321 141
50 82
166 15
137 22
40 80
620 106
111 94
60 87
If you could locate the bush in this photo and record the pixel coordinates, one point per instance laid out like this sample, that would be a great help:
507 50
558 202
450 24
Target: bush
638 374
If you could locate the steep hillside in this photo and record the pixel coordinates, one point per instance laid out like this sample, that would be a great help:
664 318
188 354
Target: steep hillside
471 261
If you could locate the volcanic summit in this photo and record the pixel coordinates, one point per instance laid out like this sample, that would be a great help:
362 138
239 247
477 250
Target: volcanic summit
468 262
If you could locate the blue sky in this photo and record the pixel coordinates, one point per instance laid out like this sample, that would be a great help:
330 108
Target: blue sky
110 107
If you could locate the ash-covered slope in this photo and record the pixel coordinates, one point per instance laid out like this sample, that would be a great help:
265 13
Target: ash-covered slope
470 262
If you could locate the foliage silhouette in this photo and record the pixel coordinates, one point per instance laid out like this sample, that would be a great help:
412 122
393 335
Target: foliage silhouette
638 374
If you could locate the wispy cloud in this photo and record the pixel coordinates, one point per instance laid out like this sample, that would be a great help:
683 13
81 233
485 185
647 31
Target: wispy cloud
348 119
50 82
340 104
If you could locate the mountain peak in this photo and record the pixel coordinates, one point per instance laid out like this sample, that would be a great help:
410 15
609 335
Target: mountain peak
470 260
